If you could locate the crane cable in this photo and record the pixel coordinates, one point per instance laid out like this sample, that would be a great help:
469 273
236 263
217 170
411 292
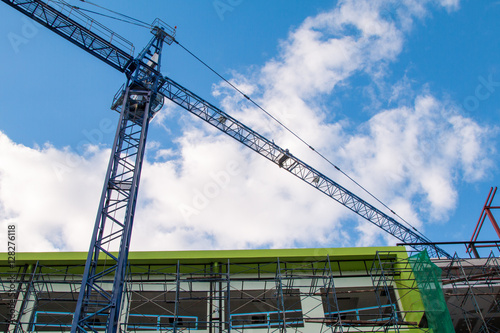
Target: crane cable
129 19
146 25
111 17
296 135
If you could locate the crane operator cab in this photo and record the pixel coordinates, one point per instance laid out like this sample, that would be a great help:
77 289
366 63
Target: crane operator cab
144 77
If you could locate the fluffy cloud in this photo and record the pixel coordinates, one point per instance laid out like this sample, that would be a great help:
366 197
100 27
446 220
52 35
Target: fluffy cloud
50 194
450 4
212 193
419 154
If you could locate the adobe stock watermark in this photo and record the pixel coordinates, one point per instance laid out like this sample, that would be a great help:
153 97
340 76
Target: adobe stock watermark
483 91
390 12
92 137
223 6
28 32
212 189
425 149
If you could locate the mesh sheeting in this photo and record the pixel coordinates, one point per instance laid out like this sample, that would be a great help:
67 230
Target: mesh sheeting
427 277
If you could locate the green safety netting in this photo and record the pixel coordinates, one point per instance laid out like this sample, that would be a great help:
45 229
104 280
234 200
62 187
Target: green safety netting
427 276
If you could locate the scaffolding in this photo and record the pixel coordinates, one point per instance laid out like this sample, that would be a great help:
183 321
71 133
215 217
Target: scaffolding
472 247
472 291
401 275
375 293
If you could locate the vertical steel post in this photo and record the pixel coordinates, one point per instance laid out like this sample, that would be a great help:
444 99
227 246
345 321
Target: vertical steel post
280 298
177 295
26 297
228 298
100 298
331 286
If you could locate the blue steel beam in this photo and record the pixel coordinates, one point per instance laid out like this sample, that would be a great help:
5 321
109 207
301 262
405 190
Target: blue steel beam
284 159
79 29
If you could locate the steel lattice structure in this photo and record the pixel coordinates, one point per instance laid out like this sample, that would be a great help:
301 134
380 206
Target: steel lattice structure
79 29
284 159
137 103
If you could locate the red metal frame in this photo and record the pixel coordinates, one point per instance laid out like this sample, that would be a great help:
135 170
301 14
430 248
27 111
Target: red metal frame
486 212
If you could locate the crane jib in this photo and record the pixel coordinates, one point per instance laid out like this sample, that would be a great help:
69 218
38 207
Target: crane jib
284 159
80 30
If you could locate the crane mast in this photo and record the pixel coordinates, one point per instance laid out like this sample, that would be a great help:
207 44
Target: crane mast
137 104
139 99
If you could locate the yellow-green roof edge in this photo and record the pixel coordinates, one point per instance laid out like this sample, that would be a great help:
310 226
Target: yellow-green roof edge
207 256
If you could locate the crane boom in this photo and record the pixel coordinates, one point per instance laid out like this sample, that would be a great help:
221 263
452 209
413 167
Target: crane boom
79 29
284 159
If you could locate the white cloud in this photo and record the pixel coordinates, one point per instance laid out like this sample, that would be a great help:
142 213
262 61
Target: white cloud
221 197
450 4
422 148
50 194
213 193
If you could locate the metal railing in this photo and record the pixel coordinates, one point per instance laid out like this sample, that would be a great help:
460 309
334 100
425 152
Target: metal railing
359 315
60 324
177 321
265 319
92 25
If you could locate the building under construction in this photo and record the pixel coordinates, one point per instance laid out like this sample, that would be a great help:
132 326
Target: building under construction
382 289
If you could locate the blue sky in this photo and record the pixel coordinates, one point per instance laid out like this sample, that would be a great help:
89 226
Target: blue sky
402 95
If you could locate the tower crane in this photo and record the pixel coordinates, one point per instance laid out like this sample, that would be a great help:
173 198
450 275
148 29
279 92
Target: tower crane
137 102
